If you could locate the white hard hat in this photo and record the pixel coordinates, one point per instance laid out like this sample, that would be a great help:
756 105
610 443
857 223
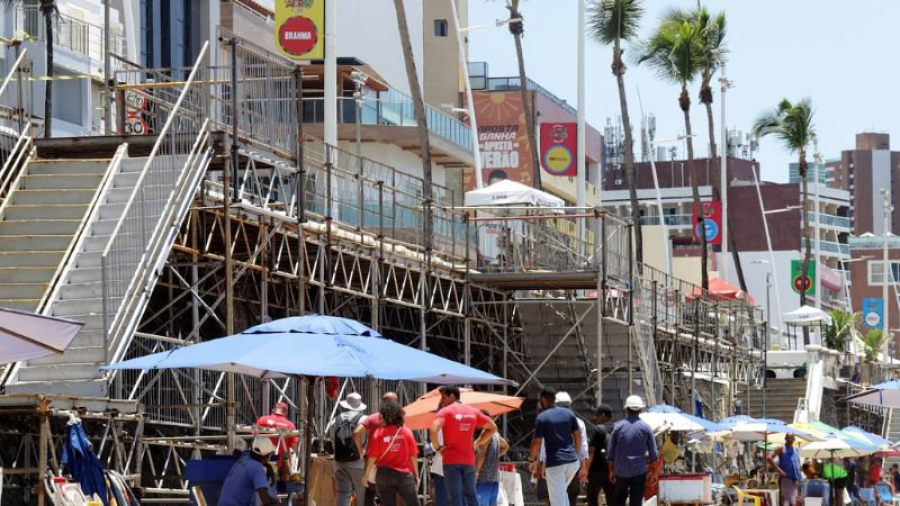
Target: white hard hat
563 399
263 445
634 402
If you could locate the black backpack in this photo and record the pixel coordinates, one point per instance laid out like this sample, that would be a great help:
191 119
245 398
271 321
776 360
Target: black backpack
345 449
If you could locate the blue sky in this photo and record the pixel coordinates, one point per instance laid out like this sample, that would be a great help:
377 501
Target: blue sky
843 55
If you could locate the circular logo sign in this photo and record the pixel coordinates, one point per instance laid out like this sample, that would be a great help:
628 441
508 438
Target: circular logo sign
558 159
873 319
298 36
801 283
712 230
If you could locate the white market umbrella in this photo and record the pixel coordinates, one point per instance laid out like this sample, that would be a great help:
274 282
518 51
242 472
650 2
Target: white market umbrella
807 316
883 395
835 448
24 335
768 432
671 422
508 193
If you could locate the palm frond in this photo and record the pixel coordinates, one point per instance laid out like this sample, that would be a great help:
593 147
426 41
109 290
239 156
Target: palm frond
790 123
610 21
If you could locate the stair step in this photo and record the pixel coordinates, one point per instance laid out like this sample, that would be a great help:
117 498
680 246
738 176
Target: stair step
26 274
20 304
104 227
85 274
111 211
34 197
88 259
82 389
34 243
31 259
92 354
133 164
66 308
54 166
45 212
60 182
126 179
22 290
92 322
42 227
89 290
68 371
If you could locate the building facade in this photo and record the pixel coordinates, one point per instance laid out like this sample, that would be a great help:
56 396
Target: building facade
864 171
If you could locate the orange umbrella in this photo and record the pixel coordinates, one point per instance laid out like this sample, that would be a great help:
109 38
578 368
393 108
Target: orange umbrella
420 414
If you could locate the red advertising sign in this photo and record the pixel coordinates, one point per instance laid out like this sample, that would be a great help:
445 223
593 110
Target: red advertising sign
298 36
712 220
559 149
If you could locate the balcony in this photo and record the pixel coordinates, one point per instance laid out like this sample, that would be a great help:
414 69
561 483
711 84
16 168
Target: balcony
380 118
672 220
830 247
76 35
829 220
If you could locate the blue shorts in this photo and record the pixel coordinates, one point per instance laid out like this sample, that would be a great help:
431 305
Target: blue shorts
487 493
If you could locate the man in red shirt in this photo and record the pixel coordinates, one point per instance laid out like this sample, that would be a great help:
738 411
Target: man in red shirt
458 423
278 421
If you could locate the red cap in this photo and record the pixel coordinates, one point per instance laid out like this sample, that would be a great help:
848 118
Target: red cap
283 406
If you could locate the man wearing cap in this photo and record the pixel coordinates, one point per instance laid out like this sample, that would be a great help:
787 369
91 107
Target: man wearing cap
631 443
557 428
279 421
349 466
564 400
598 467
251 476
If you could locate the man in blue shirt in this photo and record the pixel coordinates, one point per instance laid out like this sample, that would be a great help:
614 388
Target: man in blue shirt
630 446
251 476
557 428
788 468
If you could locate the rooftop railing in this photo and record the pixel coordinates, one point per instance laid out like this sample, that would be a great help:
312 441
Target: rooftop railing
76 35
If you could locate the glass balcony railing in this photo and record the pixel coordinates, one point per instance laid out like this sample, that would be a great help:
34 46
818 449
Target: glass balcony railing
392 108
671 220
73 34
830 247
830 220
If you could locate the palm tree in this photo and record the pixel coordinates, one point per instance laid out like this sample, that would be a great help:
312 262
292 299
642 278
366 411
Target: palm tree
792 124
419 110
614 21
48 8
873 342
675 52
841 329
516 28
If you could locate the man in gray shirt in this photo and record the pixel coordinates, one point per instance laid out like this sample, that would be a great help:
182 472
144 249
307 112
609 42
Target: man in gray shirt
631 444
349 465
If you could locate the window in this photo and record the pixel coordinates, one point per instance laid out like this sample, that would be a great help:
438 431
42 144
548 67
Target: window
440 27
876 270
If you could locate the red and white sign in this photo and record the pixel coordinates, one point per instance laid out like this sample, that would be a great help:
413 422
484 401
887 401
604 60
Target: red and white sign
559 149
712 220
298 36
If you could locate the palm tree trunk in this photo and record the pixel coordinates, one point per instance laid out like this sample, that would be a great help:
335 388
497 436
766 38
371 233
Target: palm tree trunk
808 254
419 110
47 8
527 106
685 103
618 69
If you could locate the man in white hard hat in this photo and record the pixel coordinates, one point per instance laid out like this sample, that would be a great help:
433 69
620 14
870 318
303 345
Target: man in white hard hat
630 447
556 427
251 476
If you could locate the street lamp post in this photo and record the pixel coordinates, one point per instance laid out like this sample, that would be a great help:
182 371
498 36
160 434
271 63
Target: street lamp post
885 273
662 217
768 326
359 79
723 170
765 220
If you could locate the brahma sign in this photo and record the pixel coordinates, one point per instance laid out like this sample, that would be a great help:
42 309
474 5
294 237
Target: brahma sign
299 28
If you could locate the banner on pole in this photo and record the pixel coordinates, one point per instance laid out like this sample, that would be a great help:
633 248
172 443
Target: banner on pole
299 28
799 282
873 312
712 218
559 149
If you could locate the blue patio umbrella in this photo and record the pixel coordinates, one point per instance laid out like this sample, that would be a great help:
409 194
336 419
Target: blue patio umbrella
314 346
733 420
708 425
84 466
874 439
885 395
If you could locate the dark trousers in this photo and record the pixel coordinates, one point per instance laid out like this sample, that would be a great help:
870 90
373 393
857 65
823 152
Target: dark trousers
573 490
441 496
460 481
369 499
630 489
599 482
391 483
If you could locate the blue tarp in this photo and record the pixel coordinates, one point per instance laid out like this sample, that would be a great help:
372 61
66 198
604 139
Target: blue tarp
314 346
78 457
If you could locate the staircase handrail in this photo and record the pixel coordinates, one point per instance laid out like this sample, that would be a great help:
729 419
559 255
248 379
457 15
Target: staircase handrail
23 141
157 167
646 347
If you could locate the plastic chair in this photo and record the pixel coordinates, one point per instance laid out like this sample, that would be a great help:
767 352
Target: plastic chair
867 497
749 498
885 495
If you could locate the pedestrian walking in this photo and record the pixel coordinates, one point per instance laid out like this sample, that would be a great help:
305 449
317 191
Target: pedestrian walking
392 455
458 423
788 467
487 469
598 466
557 429
349 466
631 445
564 400
365 429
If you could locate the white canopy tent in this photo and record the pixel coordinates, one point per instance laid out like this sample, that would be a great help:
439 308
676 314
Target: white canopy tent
509 193
807 316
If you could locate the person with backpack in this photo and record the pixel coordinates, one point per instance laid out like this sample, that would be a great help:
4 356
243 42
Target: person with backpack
349 466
